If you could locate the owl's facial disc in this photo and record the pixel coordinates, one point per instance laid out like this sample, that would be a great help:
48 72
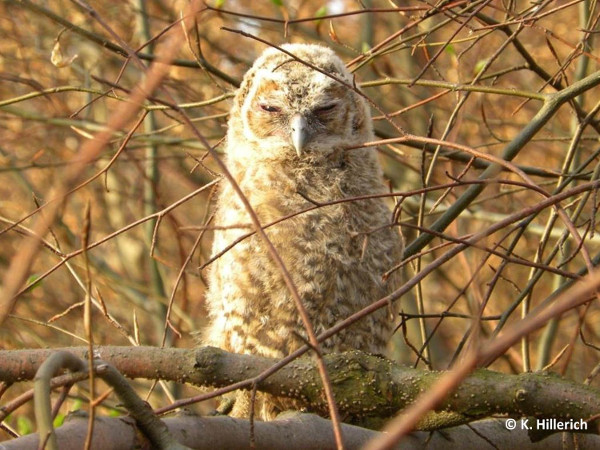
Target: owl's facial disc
294 110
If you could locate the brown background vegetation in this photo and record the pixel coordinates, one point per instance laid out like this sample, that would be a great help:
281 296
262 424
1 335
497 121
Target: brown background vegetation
134 274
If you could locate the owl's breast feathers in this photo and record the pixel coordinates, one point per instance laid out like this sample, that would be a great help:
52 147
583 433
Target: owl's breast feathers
336 254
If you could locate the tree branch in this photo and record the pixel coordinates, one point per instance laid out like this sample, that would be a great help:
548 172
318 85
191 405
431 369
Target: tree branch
547 111
292 431
369 388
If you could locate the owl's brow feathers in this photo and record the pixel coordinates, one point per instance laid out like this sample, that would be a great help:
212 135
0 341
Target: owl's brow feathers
352 86
291 60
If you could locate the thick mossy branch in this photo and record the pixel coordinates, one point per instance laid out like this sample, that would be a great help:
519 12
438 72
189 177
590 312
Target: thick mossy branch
367 388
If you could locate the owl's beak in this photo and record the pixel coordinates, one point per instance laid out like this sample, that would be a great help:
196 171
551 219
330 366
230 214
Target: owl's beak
299 128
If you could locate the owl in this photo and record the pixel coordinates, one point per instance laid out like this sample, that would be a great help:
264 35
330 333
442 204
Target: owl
289 147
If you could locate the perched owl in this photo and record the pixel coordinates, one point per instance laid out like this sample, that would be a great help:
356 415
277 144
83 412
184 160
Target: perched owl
287 140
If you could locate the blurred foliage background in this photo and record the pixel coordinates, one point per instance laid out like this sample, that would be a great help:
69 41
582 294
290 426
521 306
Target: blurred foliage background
468 72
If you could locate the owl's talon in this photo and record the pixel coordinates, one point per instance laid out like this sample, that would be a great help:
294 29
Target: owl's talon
225 406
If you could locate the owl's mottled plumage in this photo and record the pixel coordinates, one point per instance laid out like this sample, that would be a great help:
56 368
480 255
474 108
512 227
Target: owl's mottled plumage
286 148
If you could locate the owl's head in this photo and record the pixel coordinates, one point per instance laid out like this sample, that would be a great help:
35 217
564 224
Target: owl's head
288 109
